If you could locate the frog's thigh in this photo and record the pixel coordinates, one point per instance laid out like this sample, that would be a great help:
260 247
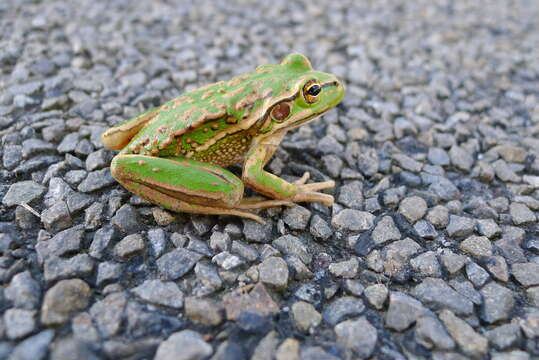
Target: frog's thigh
167 180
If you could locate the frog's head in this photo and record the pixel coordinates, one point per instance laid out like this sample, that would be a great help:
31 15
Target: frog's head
305 94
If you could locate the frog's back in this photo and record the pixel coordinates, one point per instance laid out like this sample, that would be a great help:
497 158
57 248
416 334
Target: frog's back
206 114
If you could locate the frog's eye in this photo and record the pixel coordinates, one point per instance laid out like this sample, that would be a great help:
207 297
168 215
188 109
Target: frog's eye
311 90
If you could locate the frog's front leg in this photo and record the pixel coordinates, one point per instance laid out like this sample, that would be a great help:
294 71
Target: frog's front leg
184 185
255 177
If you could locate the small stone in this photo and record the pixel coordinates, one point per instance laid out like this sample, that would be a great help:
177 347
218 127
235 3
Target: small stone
504 172
107 272
488 228
162 217
254 323
478 246
427 264
249 299
97 160
227 260
533 295
183 345
425 229
351 195
288 350
407 163
466 289
504 336
341 308
460 227
296 217
352 220
220 241
438 156
256 232
385 231
521 214
511 153
57 217
158 241
23 192
23 291
316 353
438 216
96 180
357 335
291 245
305 316
165 293
471 343
511 355
33 348
177 263
129 246
63 300
102 239
461 158
498 302
83 327
274 272
376 295
477 275
92 216
497 267
67 348
438 294
266 348
319 228
430 333
396 255
403 311
345 269
244 250
413 208
204 311
127 219
109 313
59 268
19 322
208 276
527 274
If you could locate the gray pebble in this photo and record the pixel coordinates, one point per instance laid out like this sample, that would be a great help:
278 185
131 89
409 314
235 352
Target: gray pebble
165 293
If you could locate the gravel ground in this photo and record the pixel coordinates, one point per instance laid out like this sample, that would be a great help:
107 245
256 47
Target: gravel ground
430 251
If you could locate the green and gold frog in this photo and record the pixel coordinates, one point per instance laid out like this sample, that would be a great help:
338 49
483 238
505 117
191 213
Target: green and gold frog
175 154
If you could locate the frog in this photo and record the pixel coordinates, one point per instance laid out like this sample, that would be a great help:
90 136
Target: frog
176 155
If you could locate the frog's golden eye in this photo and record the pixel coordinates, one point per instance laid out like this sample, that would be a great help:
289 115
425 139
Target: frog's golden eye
311 90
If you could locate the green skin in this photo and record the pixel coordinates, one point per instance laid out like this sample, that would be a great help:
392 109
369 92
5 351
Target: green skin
174 155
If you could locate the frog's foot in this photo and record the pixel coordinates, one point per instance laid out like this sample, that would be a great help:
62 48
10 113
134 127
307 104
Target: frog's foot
310 193
261 203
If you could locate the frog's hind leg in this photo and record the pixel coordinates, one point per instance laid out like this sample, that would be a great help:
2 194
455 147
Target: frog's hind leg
176 205
182 185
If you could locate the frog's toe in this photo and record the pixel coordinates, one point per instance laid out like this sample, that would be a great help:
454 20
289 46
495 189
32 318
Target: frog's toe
318 186
261 203
303 179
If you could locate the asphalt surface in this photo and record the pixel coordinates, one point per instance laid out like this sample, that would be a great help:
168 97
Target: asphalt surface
430 251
